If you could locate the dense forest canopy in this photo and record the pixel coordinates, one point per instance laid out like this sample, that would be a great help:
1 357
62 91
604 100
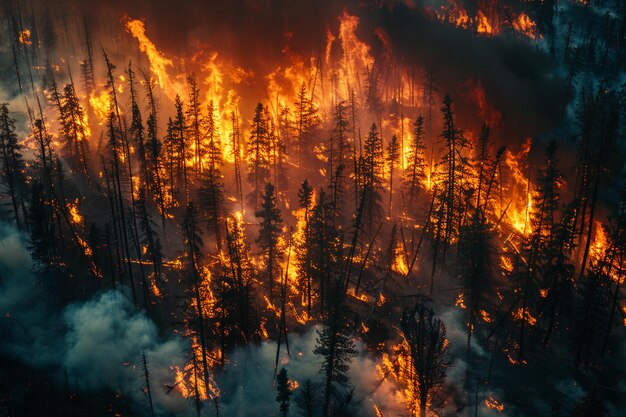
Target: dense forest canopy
356 208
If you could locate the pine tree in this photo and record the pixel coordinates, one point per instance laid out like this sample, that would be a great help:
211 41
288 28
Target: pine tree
179 137
42 242
194 128
415 172
336 346
373 101
277 155
475 266
427 352
392 158
192 240
117 151
73 129
12 165
450 188
269 233
593 302
599 121
340 149
136 131
307 121
308 398
372 173
257 156
303 254
211 196
154 168
171 157
557 275
283 390
148 237
236 147
235 293
325 250
525 276
212 151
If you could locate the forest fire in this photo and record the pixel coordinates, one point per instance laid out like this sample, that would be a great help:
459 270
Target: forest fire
370 208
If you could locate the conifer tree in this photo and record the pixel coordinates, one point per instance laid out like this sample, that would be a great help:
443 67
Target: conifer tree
137 131
154 168
372 173
283 390
415 172
257 156
179 137
269 233
427 352
195 123
148 237
235 294
392 158
476 268
193 243
307 121
12 166
303 254
525 276
451 186
336 346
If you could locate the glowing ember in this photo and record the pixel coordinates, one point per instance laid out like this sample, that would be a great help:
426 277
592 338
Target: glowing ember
494 404
75 216
24 37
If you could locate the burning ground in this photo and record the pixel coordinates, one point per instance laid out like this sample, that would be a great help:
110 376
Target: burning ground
318 209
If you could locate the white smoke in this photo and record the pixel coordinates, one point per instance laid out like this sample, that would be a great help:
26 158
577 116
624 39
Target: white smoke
248 388
104 344
99 342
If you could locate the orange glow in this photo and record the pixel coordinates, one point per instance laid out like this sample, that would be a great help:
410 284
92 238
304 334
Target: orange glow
460 301
494 404
101 105
190 380
525 25
86 249
520 207
599 244
24 37
361 297
75 216
153 287
484 27
158 62
356 59
520 314
485 316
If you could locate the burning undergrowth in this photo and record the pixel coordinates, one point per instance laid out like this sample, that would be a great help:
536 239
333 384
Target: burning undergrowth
348 209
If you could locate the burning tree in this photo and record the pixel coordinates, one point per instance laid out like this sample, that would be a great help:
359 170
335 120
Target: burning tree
538 253
451 187
426 348
475 265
